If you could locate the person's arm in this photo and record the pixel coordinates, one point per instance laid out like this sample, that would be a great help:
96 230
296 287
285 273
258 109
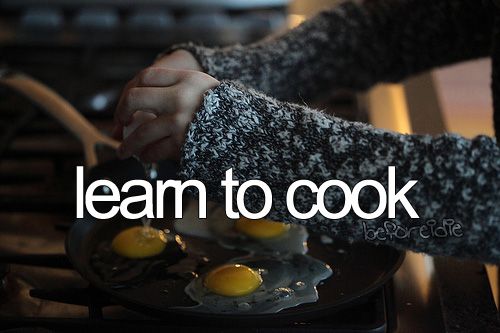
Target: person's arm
262 138
354 46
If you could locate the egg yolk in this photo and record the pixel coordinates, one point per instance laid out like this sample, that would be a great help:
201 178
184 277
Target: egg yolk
232 280
261 228
139 242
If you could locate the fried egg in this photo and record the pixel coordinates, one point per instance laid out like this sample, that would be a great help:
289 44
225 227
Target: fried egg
261 229
139 242
256 285
232 280
254 236
260 236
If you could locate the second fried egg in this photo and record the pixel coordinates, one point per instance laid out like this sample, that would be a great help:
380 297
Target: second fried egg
260 236
254 236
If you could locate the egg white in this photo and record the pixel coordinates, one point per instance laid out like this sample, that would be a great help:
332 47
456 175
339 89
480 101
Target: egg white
287 282
219 227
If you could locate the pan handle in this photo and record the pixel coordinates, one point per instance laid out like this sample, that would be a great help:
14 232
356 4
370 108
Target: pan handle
62 111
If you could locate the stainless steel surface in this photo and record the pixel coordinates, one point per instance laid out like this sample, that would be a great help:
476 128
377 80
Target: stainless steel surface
419 295
416 297
423 104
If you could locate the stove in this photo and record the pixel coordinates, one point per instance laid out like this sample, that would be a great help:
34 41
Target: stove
45 292
86 51
39 286
42 290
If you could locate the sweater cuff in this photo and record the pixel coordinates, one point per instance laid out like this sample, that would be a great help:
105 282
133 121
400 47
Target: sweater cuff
211 133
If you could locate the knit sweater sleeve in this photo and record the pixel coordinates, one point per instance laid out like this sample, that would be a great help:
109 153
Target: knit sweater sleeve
262 138
354 46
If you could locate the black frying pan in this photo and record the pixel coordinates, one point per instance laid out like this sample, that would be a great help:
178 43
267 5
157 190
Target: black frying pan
359 269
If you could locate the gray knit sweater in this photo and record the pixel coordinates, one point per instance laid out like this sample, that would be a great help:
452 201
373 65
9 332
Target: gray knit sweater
248 124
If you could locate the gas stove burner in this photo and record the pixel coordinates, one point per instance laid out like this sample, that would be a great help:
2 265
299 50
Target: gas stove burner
4 270
4 71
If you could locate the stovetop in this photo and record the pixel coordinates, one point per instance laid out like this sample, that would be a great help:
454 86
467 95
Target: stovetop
37 163
40 288
44 291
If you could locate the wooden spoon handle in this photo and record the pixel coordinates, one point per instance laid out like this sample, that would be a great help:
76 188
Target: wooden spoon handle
62 111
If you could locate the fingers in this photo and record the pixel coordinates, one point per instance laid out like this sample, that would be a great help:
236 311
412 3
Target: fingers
144 92
147 133
130 84
166 148
117 132
179 59
158 77
147 99
173 96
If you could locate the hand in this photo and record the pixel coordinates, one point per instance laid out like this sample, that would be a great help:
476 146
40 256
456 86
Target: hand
180 59
173 96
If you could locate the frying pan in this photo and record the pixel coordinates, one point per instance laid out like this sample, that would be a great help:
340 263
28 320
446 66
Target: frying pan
358 269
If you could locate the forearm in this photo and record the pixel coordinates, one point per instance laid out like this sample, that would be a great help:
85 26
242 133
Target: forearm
355 46
279 143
